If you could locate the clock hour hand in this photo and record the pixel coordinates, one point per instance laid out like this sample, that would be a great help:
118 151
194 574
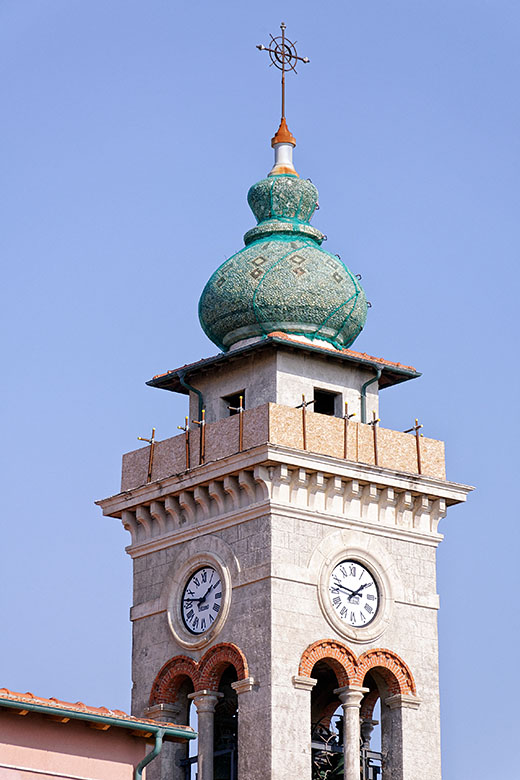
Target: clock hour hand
358 591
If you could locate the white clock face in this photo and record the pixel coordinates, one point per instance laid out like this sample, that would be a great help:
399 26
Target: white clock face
201 600
353 593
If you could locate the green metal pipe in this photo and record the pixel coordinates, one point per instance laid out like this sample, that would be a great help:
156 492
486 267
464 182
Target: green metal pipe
138 771
185 384
379 371
43 709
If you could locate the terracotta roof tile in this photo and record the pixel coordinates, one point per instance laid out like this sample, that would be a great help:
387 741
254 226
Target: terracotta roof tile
330 348
79 706
287 337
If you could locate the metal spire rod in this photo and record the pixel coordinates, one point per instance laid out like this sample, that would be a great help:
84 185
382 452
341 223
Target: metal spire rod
284 56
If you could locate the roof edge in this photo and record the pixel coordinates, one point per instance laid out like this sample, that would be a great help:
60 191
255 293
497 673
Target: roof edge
170 730
401 372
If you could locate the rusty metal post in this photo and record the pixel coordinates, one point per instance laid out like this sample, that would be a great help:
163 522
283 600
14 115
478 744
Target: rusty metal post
240 411
346 419
303 406
151 442
415 429
373 422
202 447
186 430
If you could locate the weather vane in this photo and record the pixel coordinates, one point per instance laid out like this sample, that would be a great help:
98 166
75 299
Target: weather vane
284 56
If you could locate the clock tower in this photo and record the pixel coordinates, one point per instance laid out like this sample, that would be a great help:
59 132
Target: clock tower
284 544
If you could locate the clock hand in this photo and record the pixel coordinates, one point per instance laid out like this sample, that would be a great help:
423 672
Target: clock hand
337 585
358 591
204 597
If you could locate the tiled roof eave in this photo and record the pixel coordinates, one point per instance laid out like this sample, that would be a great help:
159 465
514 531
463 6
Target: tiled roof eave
79 711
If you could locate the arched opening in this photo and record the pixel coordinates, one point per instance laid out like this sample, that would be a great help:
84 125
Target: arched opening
327 733
370 717
226 728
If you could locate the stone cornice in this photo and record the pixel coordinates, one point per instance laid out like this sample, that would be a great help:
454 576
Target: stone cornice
291 483
267 454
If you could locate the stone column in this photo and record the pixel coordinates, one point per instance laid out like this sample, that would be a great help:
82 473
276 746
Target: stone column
350 697
406 756
205 702
167 764
247 723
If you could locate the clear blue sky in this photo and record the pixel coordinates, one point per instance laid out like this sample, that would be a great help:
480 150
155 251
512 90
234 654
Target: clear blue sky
122 191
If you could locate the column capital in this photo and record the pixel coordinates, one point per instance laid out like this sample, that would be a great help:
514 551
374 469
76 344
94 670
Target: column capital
351 695
166 712
304 683
243 686
205 700
400 700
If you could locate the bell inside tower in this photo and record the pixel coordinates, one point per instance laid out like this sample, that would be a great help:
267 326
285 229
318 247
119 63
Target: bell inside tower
328 733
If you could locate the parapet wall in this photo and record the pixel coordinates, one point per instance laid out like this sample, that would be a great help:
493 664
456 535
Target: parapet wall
283 425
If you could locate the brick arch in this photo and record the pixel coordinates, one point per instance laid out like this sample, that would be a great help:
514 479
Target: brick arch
336 654
172 675
216 659
368 704
393 669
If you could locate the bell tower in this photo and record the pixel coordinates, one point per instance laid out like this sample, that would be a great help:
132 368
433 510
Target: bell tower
284 544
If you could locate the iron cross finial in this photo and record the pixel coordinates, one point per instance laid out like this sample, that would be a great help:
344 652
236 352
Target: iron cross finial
284 56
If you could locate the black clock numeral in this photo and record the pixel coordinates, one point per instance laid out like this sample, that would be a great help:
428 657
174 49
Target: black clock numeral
189 614
352 570
190 592
363 618
211 619
368 609
352 617
216 607
343 571
218 595
371 597
195 622
196 581
336 601
334 590
203 624
204 575
343 612
212 575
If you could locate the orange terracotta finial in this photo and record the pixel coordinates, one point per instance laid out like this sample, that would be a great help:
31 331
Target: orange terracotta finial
283 135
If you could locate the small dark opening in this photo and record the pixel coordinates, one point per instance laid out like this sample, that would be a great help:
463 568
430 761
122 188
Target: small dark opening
324 402
233 402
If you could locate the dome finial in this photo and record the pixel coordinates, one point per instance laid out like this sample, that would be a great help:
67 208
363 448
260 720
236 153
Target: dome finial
284 56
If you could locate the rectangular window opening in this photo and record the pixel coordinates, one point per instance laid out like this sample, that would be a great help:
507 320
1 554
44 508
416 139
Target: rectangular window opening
326 402
232 402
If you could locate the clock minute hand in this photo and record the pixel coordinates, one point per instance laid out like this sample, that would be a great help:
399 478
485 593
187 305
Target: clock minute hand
343 587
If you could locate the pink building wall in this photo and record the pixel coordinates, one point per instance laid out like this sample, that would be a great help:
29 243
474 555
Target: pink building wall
35 746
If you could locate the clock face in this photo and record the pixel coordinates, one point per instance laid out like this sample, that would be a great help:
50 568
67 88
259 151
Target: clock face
353 593
201 600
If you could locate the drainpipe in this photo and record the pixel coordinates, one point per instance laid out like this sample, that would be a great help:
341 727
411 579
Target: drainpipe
138 771
185 384
379 371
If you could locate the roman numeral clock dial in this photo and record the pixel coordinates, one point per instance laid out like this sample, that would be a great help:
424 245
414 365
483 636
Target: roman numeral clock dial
201 600
353 593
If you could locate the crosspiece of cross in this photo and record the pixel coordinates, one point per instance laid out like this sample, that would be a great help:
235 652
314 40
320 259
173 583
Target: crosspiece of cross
374 420
184 427
304 404
415 428
238 409
151 440
283 56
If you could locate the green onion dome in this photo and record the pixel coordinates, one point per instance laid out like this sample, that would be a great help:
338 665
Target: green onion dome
282 280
